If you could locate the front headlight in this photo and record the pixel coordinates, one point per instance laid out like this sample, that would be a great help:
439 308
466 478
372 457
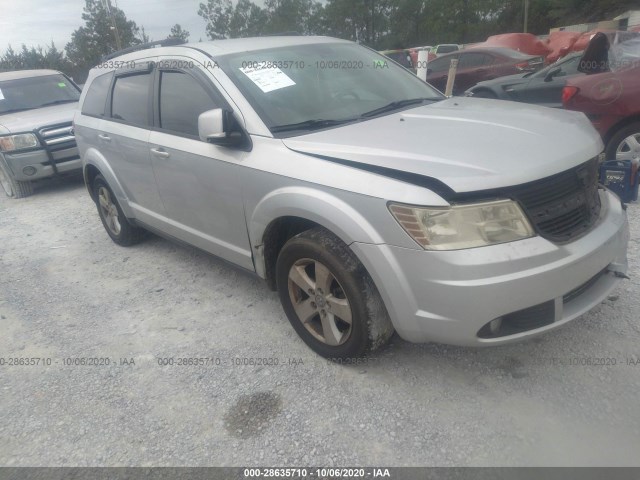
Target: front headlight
18 142
464 226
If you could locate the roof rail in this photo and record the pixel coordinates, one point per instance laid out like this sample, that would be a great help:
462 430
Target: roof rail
167 42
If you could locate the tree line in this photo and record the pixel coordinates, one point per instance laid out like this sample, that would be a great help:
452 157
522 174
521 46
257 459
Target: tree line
380 24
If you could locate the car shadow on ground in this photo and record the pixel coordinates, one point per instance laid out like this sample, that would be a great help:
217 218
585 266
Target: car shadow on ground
61 184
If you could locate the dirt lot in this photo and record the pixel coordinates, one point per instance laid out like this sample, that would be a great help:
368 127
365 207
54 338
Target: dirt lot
67 292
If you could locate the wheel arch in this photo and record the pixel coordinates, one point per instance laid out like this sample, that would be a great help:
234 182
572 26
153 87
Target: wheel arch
619 126
287 212
95 164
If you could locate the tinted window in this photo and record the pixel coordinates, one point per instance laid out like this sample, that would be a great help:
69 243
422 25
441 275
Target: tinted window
440 65
130 99
474 60
182 100
96 98
403 58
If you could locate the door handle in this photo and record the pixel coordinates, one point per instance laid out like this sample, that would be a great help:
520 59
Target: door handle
104 137
159 152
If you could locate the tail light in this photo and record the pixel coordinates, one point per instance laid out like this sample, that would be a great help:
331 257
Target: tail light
568 93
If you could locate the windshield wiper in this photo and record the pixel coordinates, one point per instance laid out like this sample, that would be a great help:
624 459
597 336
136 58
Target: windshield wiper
396 105
56 102
311 125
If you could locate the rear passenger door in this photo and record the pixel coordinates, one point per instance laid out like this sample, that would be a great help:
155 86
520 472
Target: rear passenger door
472 68
123 138
199 183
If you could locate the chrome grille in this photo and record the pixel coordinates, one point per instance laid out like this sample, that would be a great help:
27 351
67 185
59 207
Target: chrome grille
58 137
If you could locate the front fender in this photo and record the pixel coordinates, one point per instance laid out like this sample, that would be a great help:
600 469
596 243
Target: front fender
320 207
93 157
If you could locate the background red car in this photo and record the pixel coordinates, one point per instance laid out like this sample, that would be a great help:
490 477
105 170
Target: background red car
480 64
611 100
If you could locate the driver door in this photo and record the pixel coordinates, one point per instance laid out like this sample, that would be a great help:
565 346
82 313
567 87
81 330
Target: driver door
199 183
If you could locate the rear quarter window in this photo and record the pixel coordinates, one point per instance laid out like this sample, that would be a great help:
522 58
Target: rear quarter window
96 98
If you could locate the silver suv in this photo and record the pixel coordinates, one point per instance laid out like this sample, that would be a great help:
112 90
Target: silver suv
369 201
36 135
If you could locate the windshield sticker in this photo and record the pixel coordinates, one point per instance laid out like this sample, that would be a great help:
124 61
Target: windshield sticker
62 84
1 95
268 79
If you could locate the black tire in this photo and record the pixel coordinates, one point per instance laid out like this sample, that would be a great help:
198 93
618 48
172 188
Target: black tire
485 94
12 187
127 234
370 326
619 137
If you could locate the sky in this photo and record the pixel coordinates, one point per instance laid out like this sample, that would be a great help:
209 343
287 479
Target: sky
38 22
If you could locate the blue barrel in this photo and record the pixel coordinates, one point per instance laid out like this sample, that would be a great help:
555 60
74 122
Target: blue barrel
621 177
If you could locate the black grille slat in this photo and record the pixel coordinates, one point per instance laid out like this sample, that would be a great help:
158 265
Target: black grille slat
564 206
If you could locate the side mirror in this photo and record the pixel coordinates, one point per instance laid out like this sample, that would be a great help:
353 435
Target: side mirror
552 74
216 127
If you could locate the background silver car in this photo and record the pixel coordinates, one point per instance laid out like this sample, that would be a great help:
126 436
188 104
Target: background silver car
366 198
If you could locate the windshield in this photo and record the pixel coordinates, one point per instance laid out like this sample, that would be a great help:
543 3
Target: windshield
567 66
304 87
36 92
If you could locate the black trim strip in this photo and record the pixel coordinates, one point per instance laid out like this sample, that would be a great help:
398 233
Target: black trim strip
431 183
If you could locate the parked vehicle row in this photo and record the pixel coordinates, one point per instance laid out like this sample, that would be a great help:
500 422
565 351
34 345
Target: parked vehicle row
478 65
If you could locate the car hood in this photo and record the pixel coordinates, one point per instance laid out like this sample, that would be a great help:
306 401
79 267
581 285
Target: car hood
29 120
467 143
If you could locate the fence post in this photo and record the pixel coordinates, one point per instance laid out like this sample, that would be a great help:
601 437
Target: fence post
452 77
423 58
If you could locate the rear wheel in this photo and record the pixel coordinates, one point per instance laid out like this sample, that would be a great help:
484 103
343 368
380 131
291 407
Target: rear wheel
113 220
12 187
625 145
329 297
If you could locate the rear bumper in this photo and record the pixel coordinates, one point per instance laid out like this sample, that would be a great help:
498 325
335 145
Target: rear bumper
65 160
449 297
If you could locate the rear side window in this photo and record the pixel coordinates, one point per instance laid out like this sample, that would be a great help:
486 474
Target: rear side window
474 60
182 100
96 98
440 65
130 102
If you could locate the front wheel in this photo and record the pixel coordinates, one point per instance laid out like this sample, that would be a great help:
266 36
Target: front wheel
625 144
12 187
329 298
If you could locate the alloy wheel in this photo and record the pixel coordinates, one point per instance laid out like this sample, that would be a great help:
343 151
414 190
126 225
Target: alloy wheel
109 211
629 148
320 302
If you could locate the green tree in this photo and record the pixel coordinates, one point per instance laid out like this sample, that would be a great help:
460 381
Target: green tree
178 32
217 14
35 58
99 36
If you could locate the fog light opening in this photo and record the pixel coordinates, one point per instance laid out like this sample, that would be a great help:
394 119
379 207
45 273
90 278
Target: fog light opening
29 170
494 325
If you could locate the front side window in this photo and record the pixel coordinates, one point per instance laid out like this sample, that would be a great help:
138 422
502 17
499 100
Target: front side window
130 101
182 100
36 92
305 87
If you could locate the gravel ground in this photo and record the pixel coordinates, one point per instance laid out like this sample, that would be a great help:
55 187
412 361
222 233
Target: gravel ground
67 291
